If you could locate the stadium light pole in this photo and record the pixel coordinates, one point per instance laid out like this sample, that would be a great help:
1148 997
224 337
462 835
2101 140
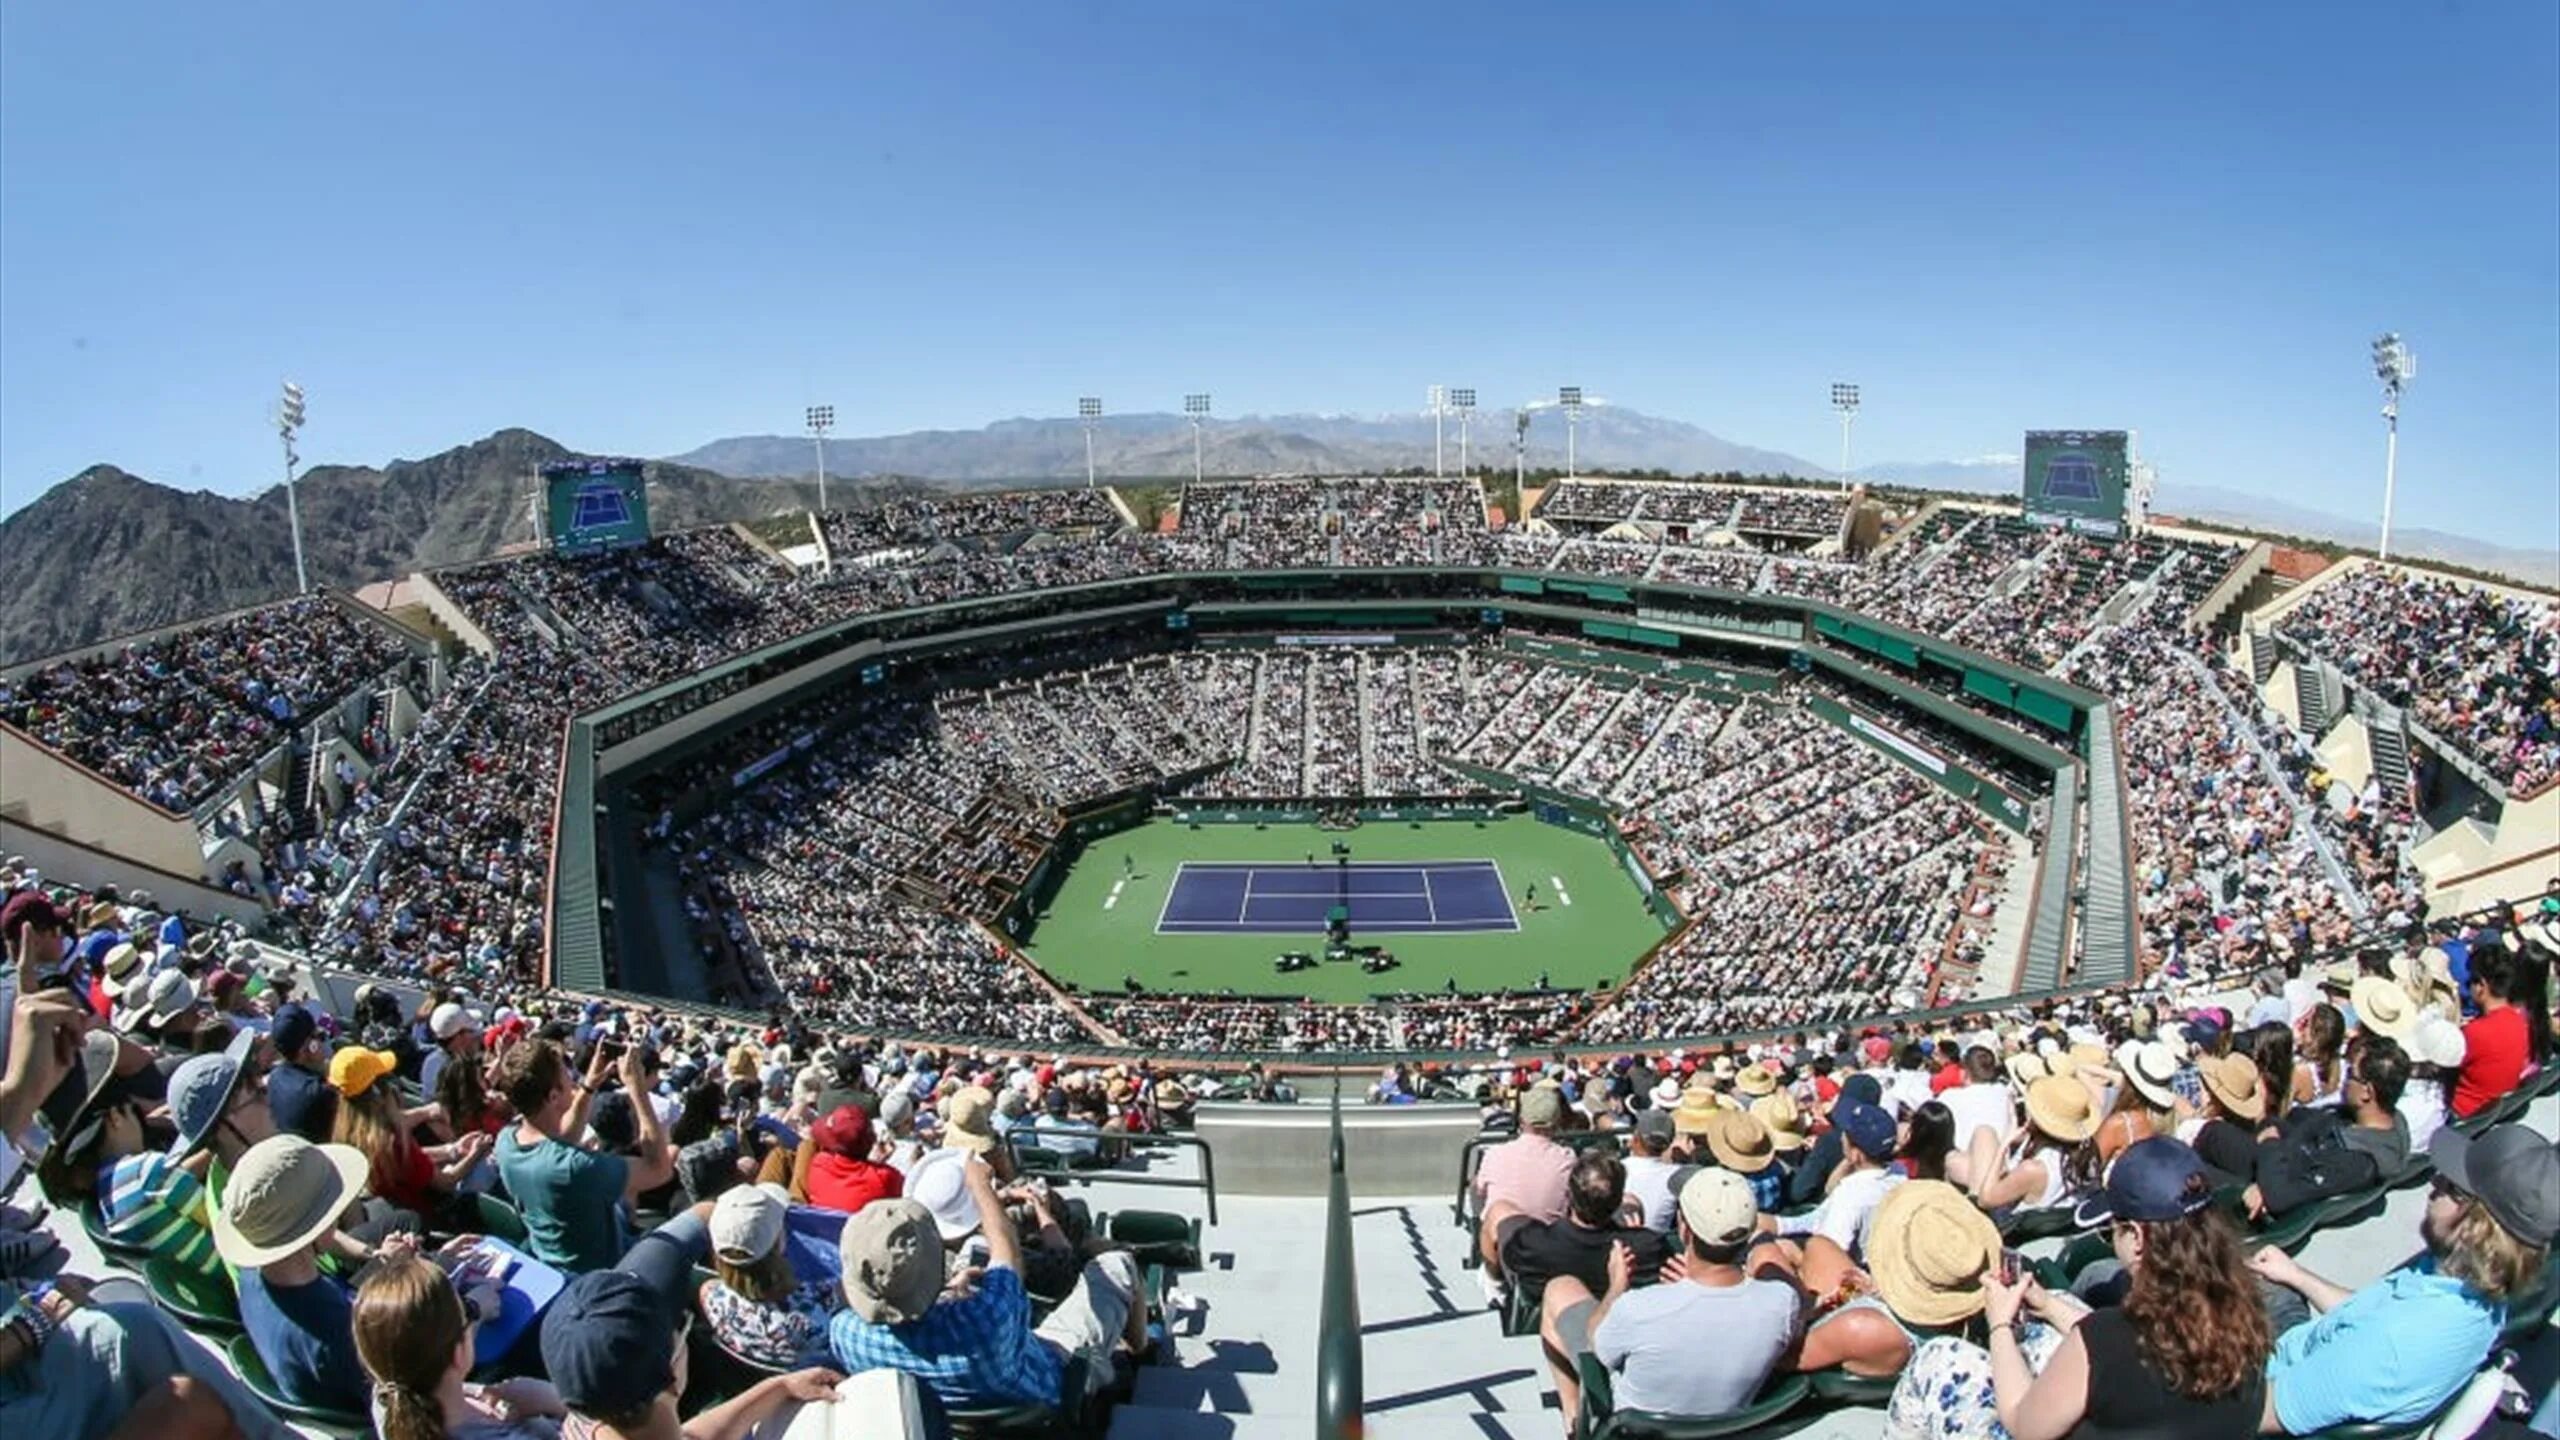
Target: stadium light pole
1088 411
1437 398
1463 400
822 418
2395 367
1197 407
1520 449
289 414
1570 397
1844 398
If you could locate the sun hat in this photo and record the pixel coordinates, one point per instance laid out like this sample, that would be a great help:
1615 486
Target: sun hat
2235 1084
966 1125
353 1070
2513 1171
940 1183
285 1193
897 1108
200 1092
1929 1248
2151 1069
2437 1041
1740 1142
748 1221
99 1051
1785 1121
171 995
122 965
1717 1207
2060 1107
1755 1081
2026 1068
893 1261
1866 1127
1666 1093
1541 1107
609 1343
2153 1180
450 1019
2383 1007
1697 1109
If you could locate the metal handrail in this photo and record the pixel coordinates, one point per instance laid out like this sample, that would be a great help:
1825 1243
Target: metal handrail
1022 1138
1338 1383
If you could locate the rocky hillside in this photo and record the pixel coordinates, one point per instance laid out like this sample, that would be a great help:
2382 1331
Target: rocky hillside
108 552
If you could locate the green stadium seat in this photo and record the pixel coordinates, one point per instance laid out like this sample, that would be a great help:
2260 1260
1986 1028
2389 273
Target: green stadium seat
500 1221
253 1373
1600 1419
1028 1422
94 1223
1839 1387
1156 1237
202 1303
2050 1222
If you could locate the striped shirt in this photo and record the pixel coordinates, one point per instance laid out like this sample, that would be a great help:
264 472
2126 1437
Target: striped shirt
159 1207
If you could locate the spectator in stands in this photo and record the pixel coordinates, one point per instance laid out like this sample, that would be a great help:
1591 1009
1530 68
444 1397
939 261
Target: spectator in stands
281 1204
2052 1160
298 1090
415 1333
1928 1250
1812 1178
1736 1140
102 1159
78 1370
1982 1100
1596 1218
456 1033
758 1308
975 1345
2496 1045
843 1173
1859 1182
2436 1050
1928 1138
2184 1355
1700 1344
1059 1129
422 1179
2401 1346
572 1196
613 1346
2319 1152
1529 1174
2320 1057
2223 1129
1649 1172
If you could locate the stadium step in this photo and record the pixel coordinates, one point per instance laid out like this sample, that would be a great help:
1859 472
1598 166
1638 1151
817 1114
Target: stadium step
2313 699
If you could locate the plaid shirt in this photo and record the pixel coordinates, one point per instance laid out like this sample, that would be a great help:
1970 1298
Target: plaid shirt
976 1351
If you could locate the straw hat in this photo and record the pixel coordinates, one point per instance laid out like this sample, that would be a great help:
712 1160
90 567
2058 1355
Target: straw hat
1785 1121
2235 1084
2151 1069
2061 1107
1929 1248
1755 1081
1740 1142
2089 1056
2383 1007
1697 1111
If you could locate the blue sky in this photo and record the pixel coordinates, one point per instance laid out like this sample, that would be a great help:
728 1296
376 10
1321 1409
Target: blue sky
640 226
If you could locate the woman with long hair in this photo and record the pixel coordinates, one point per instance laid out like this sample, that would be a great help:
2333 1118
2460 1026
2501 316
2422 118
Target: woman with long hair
1926 1142
2185 1354
414 1332
2270 1046
2053 1159
758 1307
421 1179
2320 1072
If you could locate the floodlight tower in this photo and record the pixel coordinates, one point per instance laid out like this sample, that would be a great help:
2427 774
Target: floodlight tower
1520 447
1437 398
1088 413
1197 407
2395 367
1844 398
822 418
1463 400
288 422
1570 397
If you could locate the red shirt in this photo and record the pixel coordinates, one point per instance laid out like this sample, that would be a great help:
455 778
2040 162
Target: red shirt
837 1183
1949 1076
2497 1046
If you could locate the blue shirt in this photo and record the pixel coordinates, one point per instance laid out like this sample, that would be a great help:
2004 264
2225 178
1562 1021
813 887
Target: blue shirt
306 1335
976 1351
2393 1352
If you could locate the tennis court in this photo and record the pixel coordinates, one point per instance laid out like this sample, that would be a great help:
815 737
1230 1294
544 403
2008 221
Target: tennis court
1408 897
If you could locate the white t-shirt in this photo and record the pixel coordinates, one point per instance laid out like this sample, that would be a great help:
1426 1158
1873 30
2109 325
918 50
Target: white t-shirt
1975 1106
1649 1184
1845 1215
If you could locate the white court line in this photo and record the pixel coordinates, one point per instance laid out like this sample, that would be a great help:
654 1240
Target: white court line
1170 886
1502 887
1114 897
1562 896
1429 899
1246 904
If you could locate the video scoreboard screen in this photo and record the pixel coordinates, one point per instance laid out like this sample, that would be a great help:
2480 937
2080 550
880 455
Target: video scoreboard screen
2077 476
596 504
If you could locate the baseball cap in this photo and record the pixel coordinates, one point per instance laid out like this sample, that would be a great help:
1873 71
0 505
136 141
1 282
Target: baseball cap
897 1108
450 1019
1542 1107
2514 1172
200 1092
893 1261
1656 1127
2152 1180
609 1343
353 1071
846 1131
1865 1126
1717 1206
28 907
294 1026
747 1222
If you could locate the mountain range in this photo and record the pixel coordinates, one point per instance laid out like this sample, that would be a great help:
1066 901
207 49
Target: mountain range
106 552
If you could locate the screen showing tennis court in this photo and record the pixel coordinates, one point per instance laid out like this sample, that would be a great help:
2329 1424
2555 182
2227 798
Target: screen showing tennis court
1407 897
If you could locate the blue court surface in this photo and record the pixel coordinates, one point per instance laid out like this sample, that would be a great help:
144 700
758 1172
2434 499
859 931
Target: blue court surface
1408 897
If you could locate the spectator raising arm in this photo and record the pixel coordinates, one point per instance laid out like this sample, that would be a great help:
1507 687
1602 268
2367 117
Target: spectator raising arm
654 1162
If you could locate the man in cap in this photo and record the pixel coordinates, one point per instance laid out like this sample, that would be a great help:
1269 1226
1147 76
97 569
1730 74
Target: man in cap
612 1346
1651 1171
1700 1344
1812 1178
298 1089
456 1032
1529 1174
975 1345
2395 1350
1864 1175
